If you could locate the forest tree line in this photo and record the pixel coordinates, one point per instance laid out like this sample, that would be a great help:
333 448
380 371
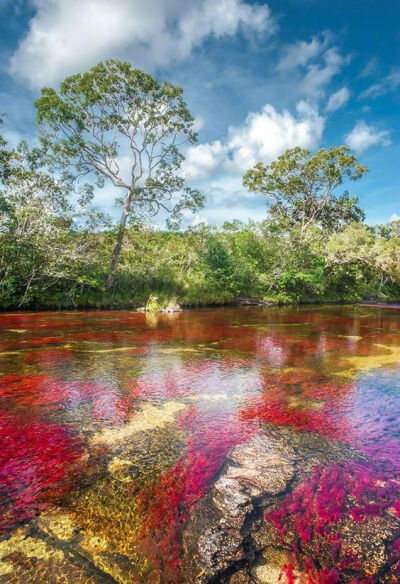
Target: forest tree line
58 250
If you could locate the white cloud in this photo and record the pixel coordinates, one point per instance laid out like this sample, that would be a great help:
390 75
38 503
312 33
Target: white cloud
319 75
198 123
227 200
203 159
301 52
363 136
388 83
262 137
370 67
338 99
317 61
266 134
65 37
199 220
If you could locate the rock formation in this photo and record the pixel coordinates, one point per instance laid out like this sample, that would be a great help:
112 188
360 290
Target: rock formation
228 539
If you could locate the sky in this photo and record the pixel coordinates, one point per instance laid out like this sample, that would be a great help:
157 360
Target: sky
258 78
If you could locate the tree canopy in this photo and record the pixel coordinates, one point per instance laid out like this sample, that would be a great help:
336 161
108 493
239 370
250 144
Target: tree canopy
40 243
120 125
301 188
6 157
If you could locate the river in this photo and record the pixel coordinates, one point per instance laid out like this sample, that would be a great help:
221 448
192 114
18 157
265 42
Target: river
114 423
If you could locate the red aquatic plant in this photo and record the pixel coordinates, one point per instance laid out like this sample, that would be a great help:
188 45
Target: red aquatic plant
168 504
275 374
105 403
38 463
310 518
284 402
48 357
354 491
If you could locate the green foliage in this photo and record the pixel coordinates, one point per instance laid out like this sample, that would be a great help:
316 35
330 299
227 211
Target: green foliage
41 250
199 266
300 189
313 246
152 304
115 112
6 157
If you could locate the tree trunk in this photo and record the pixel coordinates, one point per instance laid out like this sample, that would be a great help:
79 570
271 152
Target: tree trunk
120 240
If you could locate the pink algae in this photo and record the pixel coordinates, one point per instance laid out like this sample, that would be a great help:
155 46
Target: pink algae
311 517
349 491
38 463
302 397
169 503
103 402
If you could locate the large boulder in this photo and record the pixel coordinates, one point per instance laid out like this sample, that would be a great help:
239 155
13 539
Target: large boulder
229 540
216 535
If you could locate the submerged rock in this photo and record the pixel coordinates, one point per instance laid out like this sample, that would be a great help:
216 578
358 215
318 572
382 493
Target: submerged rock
267 567
154 306
148 417
216 535
229 540
247 301
171 307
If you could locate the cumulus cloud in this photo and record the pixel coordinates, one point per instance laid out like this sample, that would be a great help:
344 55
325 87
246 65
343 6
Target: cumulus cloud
65 37
363 136
338 99
266 134
262 137
203 159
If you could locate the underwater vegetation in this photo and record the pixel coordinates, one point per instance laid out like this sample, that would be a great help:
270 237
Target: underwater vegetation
121 424
39 462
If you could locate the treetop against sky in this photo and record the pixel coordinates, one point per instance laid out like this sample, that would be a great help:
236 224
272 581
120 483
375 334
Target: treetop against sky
258 78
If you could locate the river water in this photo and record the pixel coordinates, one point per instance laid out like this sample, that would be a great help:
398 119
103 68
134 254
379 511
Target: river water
114 423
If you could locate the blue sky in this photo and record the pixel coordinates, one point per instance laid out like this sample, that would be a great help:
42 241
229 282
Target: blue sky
258 77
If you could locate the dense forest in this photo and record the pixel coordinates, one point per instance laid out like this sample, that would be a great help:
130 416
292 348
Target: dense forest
58 250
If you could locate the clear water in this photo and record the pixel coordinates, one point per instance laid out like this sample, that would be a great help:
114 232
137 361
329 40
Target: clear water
113 424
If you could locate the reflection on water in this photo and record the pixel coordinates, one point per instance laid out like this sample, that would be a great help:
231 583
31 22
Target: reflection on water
113 424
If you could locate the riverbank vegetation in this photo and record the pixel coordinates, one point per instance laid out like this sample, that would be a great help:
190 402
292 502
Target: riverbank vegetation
119 127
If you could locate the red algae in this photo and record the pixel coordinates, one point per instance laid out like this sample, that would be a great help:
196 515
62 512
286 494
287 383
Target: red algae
235 371
352 490
48 358
168 504
105 403
38 464
283 401
313 512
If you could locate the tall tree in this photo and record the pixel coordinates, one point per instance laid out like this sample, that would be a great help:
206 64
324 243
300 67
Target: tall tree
120 125
301 188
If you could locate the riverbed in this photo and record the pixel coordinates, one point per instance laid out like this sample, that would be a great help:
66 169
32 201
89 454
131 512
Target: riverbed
114 426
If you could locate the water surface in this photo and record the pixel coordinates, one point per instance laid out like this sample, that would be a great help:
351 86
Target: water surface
113 424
